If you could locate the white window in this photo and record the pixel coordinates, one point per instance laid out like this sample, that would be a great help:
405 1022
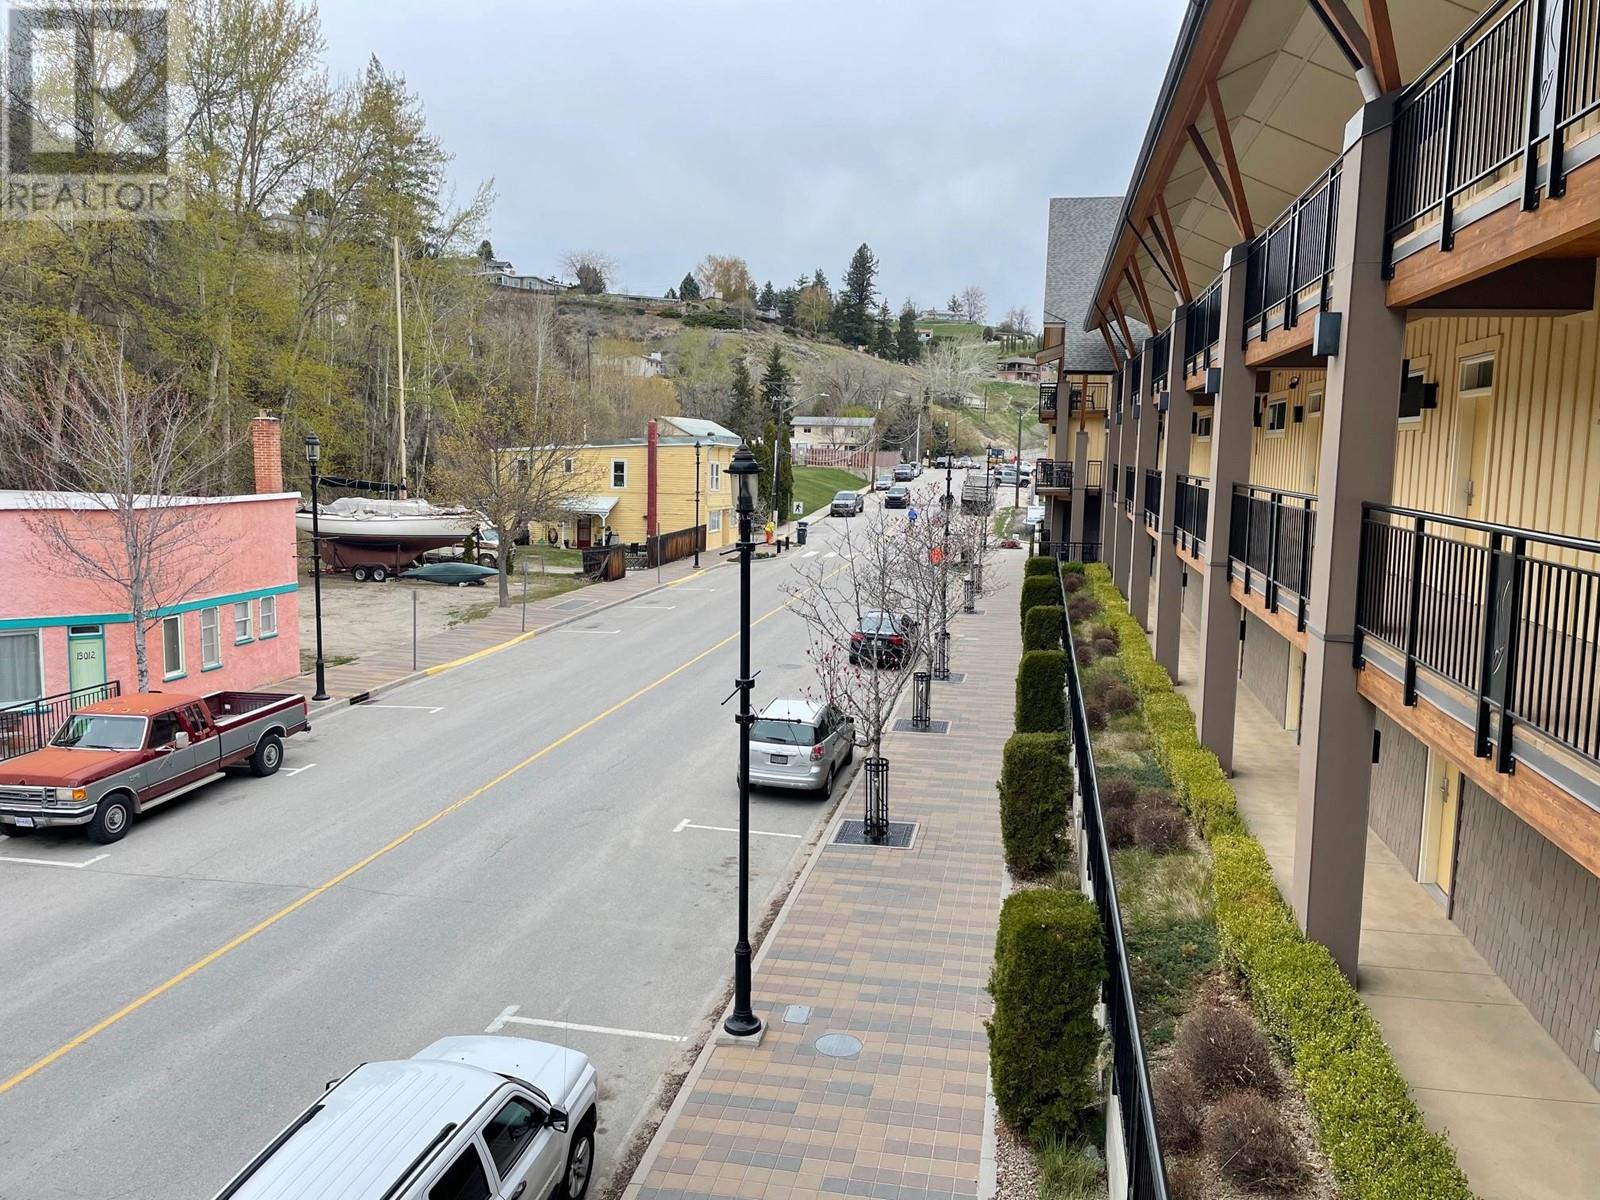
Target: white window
1313 404
619 472
21 672
269 617
241 622
1477 373
1202 426
172 647
1277 415
716 477
210 642
714 520
566 466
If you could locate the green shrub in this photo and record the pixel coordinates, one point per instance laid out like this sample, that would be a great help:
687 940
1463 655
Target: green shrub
1072 568
1043 1040
1039 564
671 314
1041 698
711 319
1041 628
1037 590
1035 800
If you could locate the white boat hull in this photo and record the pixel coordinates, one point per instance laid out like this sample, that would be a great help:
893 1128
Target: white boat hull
440 530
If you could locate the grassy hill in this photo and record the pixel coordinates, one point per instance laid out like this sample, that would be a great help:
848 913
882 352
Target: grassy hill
815 486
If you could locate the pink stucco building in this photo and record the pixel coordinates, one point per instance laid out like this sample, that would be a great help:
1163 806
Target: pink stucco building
225 610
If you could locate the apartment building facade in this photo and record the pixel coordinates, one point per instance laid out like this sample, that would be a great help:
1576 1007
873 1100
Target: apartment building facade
1358 450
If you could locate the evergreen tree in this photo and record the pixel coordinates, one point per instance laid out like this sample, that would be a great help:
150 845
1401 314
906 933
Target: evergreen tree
672 294
820 280
882 336
768 298
689 289
742 418
908 348
955 304
853 313
786 302
775 382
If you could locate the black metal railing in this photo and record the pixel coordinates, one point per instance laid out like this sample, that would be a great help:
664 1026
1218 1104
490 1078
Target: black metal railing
1047 401
1270 535
1093 477
1085 552
1160 359
1152 497
1203 330
1127 488
1510 615
27 726
1052 474
1511 87
1130 1073
1294 255
1193 501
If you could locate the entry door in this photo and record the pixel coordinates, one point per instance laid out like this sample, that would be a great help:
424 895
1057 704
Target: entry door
585 533
86 656
1473 412
1439 817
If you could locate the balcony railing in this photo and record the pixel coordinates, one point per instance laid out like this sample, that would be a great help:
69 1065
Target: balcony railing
1270 536
1052 474
27 726
1289 269
1511 616
1152 497
1512 87
1047 401
1130 1074
1160 358
1092 478
1086 552
1193 501
1127 489
1203 330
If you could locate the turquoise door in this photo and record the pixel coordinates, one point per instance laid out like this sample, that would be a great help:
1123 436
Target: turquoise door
86 655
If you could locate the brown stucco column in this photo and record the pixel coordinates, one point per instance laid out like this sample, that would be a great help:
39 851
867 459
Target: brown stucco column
1357 464
1146 429
1110 491
1231 427
1174 462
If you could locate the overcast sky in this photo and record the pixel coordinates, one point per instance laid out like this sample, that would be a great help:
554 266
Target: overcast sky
787 133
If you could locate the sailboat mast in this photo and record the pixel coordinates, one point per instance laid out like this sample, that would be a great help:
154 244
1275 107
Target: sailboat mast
400 363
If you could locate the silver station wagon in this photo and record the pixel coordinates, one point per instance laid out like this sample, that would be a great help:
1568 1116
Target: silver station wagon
800 744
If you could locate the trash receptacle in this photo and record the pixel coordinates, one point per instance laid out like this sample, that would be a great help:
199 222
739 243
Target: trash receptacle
800 533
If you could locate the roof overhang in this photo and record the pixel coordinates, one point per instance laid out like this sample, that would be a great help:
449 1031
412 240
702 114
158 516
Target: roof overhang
589 506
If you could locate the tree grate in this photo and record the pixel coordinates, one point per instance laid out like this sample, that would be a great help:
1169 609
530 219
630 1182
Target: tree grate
906 725
854 833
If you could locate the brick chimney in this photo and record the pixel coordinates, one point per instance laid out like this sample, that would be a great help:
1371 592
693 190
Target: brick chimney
266 443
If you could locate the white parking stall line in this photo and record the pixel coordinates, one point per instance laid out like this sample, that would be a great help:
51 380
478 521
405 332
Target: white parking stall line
296 770
654 607
809 554
688 824
575 629
427 708
51 862
508 1016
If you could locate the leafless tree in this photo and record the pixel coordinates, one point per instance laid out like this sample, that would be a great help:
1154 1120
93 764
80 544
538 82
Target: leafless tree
592 270
112 463
954 371
973 305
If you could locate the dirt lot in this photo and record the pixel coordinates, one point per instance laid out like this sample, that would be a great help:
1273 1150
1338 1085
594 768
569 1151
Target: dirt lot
358 618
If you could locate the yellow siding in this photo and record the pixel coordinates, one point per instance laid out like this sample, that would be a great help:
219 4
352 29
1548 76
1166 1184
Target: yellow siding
1288 459
675 489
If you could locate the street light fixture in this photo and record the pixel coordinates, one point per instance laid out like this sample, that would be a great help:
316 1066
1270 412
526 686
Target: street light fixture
313 457
697 504
742 1022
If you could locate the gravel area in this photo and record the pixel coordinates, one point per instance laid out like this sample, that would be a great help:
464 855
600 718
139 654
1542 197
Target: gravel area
1017 1170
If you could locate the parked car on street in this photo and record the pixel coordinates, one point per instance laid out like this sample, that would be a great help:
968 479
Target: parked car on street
905 472
942 462
883 482
113 760
468 1118
800 744
899 497
882 639
965 462
847 504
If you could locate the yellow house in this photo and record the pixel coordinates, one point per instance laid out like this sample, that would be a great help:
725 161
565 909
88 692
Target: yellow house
625 494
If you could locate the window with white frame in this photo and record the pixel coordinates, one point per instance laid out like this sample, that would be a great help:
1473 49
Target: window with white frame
268 626
21 671
716 477
1477 374
566 466
172 647
714 520
210 639
1313 404
241 622
619 472
1277 415
1202 426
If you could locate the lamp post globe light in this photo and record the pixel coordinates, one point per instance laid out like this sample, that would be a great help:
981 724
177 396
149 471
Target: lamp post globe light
313 458
742 1022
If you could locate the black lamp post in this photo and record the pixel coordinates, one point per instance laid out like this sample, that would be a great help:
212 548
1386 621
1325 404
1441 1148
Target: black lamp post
697 504
313 457
742 1022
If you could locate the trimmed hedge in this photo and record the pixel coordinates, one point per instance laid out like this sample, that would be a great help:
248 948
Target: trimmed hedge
1039 564
1072 568
1037 590
1367 1123
1035 800
1043 1040
1041 628
1041 695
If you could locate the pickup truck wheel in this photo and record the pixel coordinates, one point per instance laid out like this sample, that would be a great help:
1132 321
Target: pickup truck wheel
488 560
268 756
111 819
580 1164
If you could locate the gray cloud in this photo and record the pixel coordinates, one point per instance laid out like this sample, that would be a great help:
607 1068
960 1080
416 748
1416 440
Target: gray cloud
935 131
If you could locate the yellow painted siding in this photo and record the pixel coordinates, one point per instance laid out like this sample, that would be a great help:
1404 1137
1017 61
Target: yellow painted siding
1288 459
675 490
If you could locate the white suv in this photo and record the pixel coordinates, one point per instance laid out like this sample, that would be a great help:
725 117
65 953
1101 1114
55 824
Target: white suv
468 1118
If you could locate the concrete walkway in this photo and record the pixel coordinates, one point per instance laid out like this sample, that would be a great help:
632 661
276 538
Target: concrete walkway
891 947
377 672
1525 1122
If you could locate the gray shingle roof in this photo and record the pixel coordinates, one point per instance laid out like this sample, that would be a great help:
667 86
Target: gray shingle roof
1081 229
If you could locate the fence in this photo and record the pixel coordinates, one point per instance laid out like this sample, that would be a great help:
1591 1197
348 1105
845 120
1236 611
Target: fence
1293 255
1510 615
1130 1075
1270 534
1189 522
27 726
605 563
669 547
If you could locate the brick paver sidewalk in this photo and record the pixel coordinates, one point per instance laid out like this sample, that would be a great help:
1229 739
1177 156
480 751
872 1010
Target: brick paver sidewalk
891 947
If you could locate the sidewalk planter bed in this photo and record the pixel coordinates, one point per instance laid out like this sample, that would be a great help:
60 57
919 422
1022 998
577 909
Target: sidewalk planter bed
1041 628
1041 695
1367 1124
1043 1041
1035 800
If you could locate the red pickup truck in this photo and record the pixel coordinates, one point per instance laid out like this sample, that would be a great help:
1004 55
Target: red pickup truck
113 760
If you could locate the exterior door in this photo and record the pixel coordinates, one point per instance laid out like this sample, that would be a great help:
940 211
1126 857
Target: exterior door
86 656
585 533
1473 413
1441 810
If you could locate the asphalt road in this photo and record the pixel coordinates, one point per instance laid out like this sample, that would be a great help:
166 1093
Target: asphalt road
519 837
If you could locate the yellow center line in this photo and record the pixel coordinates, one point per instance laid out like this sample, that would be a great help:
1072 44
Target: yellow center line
300 902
